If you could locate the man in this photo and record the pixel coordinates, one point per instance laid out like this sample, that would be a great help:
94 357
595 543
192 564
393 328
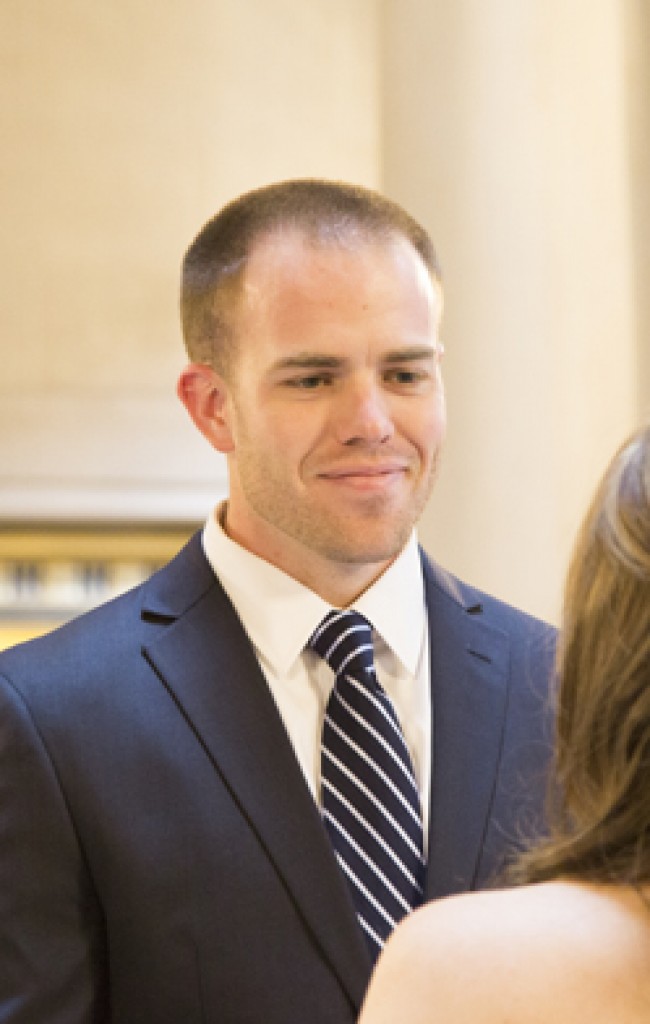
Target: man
165 760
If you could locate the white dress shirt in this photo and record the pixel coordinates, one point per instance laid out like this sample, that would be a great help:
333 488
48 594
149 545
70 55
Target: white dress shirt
279 615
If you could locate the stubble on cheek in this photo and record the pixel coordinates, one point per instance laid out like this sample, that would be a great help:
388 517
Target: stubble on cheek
356 529
289 499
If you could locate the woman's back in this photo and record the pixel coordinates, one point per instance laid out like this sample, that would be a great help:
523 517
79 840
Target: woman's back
560 952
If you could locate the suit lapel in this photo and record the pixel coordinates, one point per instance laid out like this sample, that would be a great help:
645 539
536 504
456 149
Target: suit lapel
469 673
216 681
205 660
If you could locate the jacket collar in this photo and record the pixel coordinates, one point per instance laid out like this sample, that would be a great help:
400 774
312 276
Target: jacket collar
217 683
215 679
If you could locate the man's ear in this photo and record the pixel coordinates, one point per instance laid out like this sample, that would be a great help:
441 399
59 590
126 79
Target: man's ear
205 395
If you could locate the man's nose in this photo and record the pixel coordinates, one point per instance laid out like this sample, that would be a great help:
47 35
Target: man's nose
363 414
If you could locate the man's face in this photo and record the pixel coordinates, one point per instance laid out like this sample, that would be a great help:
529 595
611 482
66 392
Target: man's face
334 407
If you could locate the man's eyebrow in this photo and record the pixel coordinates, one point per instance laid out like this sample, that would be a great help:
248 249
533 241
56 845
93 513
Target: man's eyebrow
319 361
309 361
411 354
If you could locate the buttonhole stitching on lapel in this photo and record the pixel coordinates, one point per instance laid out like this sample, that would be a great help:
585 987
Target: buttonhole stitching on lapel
479 654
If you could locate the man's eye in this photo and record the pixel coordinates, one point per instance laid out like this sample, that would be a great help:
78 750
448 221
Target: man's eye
310 383
406 376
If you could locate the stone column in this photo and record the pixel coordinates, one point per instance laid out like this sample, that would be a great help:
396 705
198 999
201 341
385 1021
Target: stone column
506 131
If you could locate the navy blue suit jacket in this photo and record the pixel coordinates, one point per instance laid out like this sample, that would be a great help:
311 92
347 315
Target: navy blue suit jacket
161 858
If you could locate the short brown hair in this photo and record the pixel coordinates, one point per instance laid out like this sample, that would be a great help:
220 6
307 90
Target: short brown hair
600 817
323 211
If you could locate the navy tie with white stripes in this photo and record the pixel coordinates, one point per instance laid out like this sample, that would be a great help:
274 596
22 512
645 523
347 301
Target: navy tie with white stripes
370 800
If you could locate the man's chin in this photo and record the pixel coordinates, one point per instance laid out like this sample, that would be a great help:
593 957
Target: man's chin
356 551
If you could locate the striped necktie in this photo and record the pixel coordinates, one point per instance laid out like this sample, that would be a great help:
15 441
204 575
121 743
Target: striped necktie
370 800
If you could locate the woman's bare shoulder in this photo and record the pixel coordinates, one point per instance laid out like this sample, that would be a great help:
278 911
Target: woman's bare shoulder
536 953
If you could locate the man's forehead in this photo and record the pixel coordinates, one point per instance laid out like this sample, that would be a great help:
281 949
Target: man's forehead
290 255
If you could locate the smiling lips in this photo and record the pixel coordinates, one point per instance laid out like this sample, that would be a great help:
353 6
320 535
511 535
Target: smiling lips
366 477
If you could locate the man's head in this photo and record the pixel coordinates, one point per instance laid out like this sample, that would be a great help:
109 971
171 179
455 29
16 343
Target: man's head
324 212
316 371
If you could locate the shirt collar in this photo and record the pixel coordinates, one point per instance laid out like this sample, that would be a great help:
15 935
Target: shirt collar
280 625
395 604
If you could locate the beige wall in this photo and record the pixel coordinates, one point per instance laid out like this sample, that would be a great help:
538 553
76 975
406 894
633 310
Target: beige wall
637 13
124 126
517 130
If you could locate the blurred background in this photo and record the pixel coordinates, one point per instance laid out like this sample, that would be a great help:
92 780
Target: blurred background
518 131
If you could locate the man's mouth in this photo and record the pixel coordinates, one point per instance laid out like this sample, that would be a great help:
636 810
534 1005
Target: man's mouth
364 476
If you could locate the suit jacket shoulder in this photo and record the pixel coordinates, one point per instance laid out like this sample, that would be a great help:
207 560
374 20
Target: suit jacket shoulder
477 602
154 815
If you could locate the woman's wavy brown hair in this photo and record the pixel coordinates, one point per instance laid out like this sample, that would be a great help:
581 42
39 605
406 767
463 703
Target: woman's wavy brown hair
600 808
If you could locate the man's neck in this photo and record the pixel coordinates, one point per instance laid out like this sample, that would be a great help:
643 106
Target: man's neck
338 583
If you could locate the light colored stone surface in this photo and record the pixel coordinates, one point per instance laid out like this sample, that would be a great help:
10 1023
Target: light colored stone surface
507 129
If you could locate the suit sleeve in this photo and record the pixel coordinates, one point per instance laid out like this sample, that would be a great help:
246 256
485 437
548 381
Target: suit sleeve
51 936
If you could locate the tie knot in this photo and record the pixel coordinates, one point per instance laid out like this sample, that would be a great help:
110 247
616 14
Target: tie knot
344 641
